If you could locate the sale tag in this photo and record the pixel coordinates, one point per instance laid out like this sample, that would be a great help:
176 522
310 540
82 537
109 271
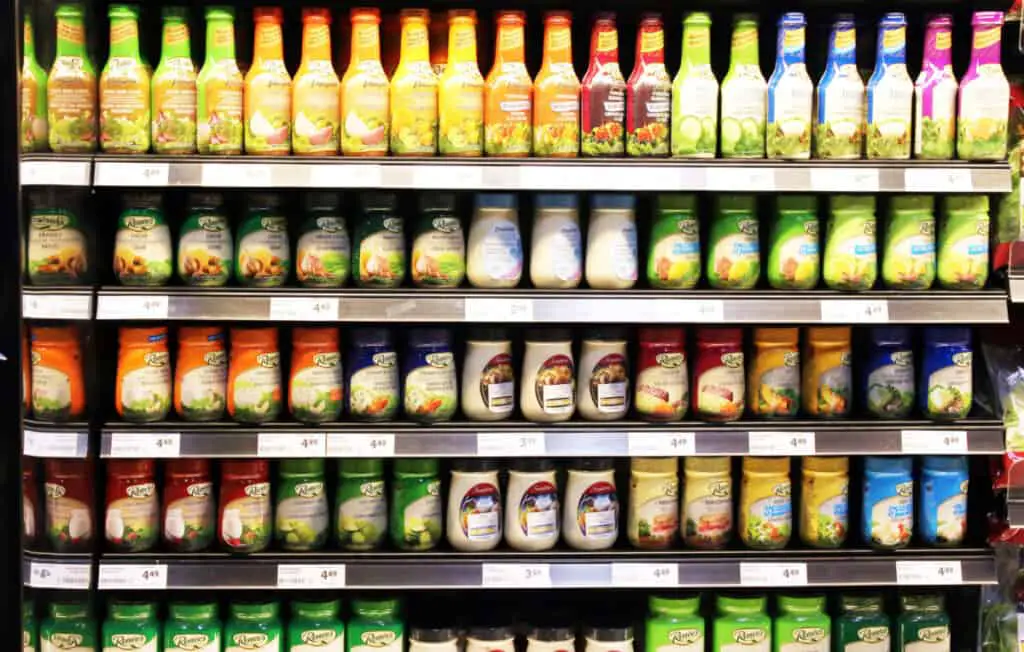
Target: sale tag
645 575
499 310
145 445
788 574
934 179
56 306
59 576
133 576
360 445
929 573
784 443
140 175
309 576
133 306
511 444
852 179
56 444
517 575
303 309
933 442
291 444
661 444
854 311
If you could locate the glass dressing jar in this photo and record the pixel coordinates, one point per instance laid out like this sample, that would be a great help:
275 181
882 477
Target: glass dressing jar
496 638
556 251
604 375
590 517
474 505
707 502
488 376
653 502
245 523
766 503
431 382
433 639
612 261
439 244
372 377
608 639
550 639
825 503
531 505
132 519
361 520
662 381
495 258
548 389
189 509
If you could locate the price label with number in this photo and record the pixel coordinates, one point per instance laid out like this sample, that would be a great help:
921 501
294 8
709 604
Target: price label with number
236 175
56 306
935 179
781 443
499 310
361 445
854 311
291 444
644 575
133 576
929 573
308 576
844 179
662 444
933 442
59 576
782 574
143 175
56 444
303 309
133 306
511 444
514 576
747 178
353 175
145 445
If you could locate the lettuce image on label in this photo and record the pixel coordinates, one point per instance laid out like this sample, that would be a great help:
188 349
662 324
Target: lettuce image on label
695 118
935 93
124 89
841 108
984 94
890 93
790 93
793 260
963 257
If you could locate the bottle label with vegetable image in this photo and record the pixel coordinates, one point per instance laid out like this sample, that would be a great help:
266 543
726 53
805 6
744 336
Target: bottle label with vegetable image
71 87
263 251
695 93
315 390
851 258
56 381
245 516
890 93
142 246
174 89
597 513
984 93
654 512
538 511
461 91
32 87
508 97
888 510
674 259
649 93
774 387
609 384
790 93
254 383
744 95
721 388
323 252
268 89
316 110
373 391
439 252
707 511
365 91
431 386
842 111
734 261
415 521
963 258
832 387
766 515
950 387
497 384
890 383
220 89
556 112
205 249
362 518
556 385
944 508
68 514
302 516
124 88
144 387
603 93
413 100
794 260
824 517
381 252
189 515
935 93
57 250
132 516
909 260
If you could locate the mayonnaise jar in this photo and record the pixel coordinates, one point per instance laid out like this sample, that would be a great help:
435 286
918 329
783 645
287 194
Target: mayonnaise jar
488 376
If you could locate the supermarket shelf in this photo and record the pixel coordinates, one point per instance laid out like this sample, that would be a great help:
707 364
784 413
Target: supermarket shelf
55 170
56 571
69 441
573 439
552 306
565 569
550 174
71 303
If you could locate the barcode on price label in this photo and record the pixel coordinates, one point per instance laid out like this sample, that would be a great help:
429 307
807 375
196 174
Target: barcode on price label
929 573
854 311
645 575
511 444
303 309
133 576
513 576
291 444
56 444
499 310
307 576
145 445
662 444
133 306
933 442
781 443
790 574
59 576
360 445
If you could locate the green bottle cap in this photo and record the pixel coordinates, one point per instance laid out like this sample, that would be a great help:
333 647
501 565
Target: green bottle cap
321 201
69 609
220 12
438 202
861 603
801 604
753 604
971 203
922 602
744 18
697 19
313 466
674 606
70 10
316 609
361 468
379 201
416 467
677 202
129 12
797 203
254 610
192 610
735 203
376 607
914 203
861 203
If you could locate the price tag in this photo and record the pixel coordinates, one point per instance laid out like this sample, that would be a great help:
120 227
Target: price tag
56 444
662 444
303 309
645 575
306 576
236 175
790 574
360 445
448 177
111 173
511 444
517 575
133 306
145 445
291 444
783 443
59 576
499 310
133 576
345 176
854 311
56 306
929 573
934 179
746 178
853 179
933 442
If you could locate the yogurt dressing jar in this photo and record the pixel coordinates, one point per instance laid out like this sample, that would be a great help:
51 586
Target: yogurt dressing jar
474 505
491 639
556 250
888 504
604 376
590 518
548 389
550 639
612 262
488 376
433 639
495 258
531 505
608 639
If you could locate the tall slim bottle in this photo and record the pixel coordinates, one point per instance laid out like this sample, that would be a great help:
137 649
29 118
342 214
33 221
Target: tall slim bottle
790 93
71 89
984 94
461 92
649 92
174 88
695 93
890 93
556 92
268 89
365 90
935 93
33 94
414 90
603 93
841 112
316 111
508 91
219 88
744 94
125 102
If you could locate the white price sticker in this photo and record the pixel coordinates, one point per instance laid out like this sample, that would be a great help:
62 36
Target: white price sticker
345 176
236 175
700 312
56 306
499 310
360 445
789 574
933 442
306 576
145 445
929 573
852 179
303 309
935 179
511 444
59 576
133 576
291 444
784 443
854 311
133 306
56 444
514 576
747 178
662 444
448 177
141 175
644 575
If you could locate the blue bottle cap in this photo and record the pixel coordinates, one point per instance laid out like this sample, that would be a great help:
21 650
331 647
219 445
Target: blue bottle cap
894 19
792 19
945 463
430 337
503 200
891 336
949 335
371 337
610 201
563 200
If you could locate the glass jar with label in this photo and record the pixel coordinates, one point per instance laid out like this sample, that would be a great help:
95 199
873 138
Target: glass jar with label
491 638
673 258
254 375
130 626
531 505
439 243
887 388
323 251
548 389
301 514
192 627
707 502
142 245
719 387
590 514
132 519
474 505
315 625
375 626
188 502
766 503
653 502
923 623
378 259
612 259
825 502
604 375
362 517
69 622
773 386
862 624
608 639
946 373
662 380
434 639
802 624
550 639
827 372
943 505
415 519
315 388
262 247
69 505
495 258
201 373
206 252
488 376
57 382
143 391
58 243
253 627
372 375
244 523
431 381
888 503
556 250
742 622
675 624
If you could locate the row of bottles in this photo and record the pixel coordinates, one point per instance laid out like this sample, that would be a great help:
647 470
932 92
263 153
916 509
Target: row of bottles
175 111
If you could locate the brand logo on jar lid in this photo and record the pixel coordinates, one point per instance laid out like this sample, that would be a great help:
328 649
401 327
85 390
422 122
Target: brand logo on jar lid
445 224
811 227
749 636
933 634
36 357
141 490
257 490
434 488
927 227
268 360
393 224
318 637
211 223
199 489
791 358
65 641
215 358
962 359
273 224
783 489
55 490
49 222
157 358
869 228
439 360
846 359
902 358
377 639
385 359
373 489
191 641
330 224
140 222
670 360
684 636
749 227
719 488
128 641
251 641
326 360
309 489
687 227
733 360
905 489
670 488
873 634
808 635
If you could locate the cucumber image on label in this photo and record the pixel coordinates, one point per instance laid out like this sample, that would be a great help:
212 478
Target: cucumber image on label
744 94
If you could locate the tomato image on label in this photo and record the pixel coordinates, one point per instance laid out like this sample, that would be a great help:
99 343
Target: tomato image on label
556 385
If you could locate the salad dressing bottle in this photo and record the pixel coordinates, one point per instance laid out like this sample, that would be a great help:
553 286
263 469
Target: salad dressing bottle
71 89
695 93
508 93
556 115
365 91
316 113
840 115
414 90
33 94
890 93
461 91
935 93
174 88
649 93
790 93
744 94
603 93
219 88
268 89
984 94
124 88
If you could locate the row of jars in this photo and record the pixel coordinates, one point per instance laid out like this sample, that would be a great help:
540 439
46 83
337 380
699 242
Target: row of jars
533 513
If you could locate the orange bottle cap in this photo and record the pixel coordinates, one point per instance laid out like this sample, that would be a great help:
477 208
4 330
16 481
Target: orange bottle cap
267 14
316 15
365 14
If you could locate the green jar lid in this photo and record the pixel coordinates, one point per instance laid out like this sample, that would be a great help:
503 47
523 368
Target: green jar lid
361 468
437 202
922 602
802 603
416 467
867 603
744 18
677 202
321 201
753 604
912 203
969 203
379 201
27 610
220 12
192 610
120 610
862 203
69 609
376 607
697 18
313 466
735 203
674 606
123 12
797 203
316 608
71 10
254 610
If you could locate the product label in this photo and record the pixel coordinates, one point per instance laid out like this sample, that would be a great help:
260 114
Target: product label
205 250
414 107
362 518
373 388
379 641
808 639
56 248
317 107
769 520
302 516
892 517
323 253
502 249
145 389
245 520
480 512
263 252
205 642
869 639
609 384
316 640
597 513
944 507
744 110
419 521
125 108
461 109
68 520
982 127
825 516
538 511
268 108
778 389
674 261
556 111
189 515
655 511
695 118
720 389
51 392
497 384
790 106
752 639
735 257
662 389
201 390
220 92
950 388
71 105
252 642
556 385
842 110
890 110
142 248
134 642
132 521
382 254
439 254
365 106
707 511
891 386
315 392
834 389
256 392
